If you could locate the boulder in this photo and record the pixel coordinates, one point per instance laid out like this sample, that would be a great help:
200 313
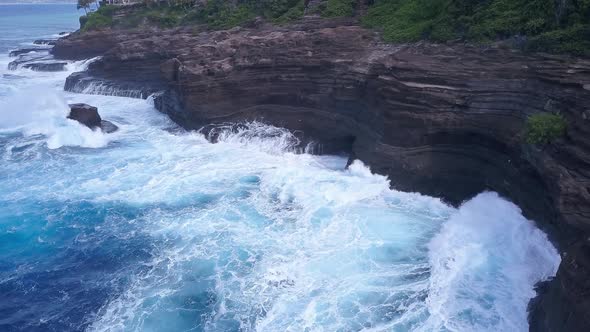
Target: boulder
88 116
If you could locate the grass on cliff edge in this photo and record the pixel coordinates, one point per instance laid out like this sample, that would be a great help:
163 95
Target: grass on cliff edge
101 18
542 25
554 26
217 14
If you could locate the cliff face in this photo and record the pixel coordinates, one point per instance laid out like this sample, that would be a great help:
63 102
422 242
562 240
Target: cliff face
442 120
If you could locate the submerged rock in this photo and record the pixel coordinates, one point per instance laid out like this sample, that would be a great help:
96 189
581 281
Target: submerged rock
88 116
108 127
12 77
28 58
46 66
26 50
85 114
44 42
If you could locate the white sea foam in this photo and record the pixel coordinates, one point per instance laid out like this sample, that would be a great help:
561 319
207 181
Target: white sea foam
349 254
485 262
46 114
34 104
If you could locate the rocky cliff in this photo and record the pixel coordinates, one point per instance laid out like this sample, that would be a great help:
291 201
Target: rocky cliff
444 120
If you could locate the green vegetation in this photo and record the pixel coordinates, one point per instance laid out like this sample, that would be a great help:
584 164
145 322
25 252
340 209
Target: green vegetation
544 128
227 14
541 25
574 40
217 14
336 8
86 5
291 14
221 15
101 18
555 26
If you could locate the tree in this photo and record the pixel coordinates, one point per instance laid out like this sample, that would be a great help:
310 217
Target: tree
85 4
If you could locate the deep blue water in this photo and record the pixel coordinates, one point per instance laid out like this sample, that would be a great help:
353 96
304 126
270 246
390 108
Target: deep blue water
156 229
26 22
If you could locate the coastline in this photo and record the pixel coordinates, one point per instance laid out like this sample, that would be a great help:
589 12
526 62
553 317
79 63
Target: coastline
443 120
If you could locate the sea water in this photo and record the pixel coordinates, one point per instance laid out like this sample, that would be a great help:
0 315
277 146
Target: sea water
153 228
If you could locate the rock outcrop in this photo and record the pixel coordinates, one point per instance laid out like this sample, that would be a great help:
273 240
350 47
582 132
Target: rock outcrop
88 116
27 50
26 58
45 42
46 66
37 59
444 120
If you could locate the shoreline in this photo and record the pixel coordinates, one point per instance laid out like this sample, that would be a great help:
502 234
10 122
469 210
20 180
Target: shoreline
440 140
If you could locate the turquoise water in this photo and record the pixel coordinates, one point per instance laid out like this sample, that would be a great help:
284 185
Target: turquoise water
156 229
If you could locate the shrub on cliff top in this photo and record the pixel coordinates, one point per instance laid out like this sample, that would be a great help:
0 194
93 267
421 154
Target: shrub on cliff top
220 14
405 21
338 8
544 128
574 40
101 18
556 26
293 13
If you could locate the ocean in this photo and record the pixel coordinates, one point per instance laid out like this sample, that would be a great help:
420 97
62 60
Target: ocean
154 228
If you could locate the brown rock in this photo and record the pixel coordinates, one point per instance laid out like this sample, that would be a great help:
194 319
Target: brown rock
85 114
88 116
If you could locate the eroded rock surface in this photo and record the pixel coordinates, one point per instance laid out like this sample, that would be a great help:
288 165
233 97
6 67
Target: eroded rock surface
444 120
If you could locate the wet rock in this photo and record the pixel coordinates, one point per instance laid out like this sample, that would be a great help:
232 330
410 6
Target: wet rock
108 127
46 66
28 58
88 116
45 42
26 50
82 82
